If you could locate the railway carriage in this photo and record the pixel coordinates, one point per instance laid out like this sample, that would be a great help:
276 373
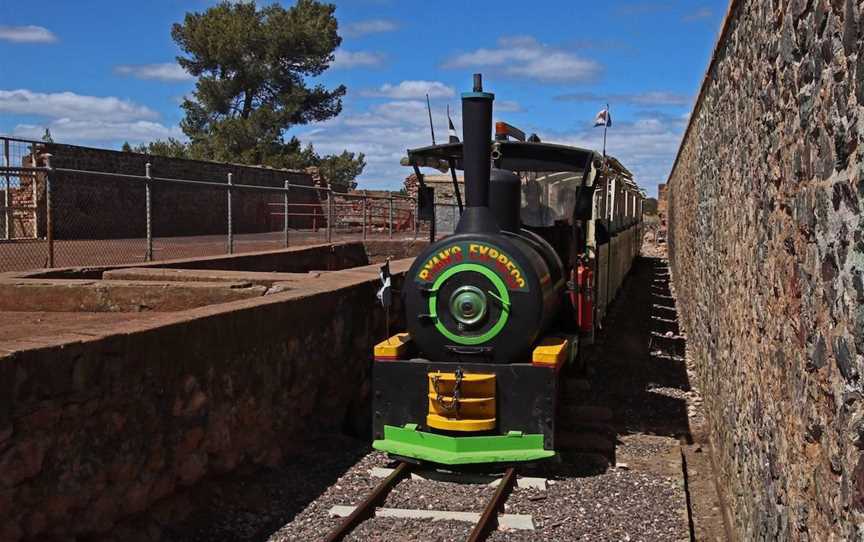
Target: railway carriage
497 312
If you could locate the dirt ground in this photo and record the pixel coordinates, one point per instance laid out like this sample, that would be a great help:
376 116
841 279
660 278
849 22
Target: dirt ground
24 255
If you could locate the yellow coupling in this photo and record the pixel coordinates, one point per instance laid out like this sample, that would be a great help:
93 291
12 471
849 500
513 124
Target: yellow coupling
461 401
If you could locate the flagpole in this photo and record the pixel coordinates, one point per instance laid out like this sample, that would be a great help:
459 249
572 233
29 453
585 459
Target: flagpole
431 127
605 127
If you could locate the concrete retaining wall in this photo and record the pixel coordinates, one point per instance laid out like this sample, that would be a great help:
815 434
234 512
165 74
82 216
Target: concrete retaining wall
765 233
300 259
96 426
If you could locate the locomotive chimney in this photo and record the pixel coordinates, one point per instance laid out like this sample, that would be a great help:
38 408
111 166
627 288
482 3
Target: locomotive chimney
476 159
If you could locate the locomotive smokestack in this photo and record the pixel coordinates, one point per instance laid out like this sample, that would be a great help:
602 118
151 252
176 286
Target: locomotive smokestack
476 158
477 143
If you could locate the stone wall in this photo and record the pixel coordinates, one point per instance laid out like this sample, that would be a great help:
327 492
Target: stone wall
97 427
767 253
99 207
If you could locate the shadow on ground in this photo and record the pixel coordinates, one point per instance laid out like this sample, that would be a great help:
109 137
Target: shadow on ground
636 368
247 505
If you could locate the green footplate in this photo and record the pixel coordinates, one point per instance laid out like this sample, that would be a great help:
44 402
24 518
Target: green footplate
408 441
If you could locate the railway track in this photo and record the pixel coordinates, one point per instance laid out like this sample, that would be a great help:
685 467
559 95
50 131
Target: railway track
487 523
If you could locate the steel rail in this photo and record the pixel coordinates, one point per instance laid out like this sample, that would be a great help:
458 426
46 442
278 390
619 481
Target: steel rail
366 509
489 520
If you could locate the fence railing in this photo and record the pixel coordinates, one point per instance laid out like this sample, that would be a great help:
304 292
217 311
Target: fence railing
58 217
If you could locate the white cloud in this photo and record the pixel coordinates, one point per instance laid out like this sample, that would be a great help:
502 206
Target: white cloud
369 26
404 112
72 106
382 133
99 131
646 146
167 71
701 13
407 90
653 98
524 56
507 106
352 59
76 118
26 34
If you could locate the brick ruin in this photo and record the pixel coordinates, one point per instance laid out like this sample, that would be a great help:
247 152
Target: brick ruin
767 254
24 193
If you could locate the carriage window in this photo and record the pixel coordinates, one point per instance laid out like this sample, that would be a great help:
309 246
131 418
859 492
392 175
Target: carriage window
547 197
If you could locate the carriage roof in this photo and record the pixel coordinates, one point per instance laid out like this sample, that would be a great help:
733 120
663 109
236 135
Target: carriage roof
520 156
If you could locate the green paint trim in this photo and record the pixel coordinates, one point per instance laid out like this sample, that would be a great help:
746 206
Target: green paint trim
409 442
485 95
502 292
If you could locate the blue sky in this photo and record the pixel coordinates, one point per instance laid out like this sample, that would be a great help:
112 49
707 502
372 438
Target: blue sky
103 72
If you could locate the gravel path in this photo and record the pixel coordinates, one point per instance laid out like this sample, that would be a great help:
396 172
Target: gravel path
618 505
399 530
314 522
250 506
627 503
435 495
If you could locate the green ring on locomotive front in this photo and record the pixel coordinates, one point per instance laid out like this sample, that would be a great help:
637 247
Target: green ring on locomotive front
470 319
477 295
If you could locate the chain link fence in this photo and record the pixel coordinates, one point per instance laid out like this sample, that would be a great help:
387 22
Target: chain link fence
60 217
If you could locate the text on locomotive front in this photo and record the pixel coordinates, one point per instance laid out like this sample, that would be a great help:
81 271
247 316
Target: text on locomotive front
491 256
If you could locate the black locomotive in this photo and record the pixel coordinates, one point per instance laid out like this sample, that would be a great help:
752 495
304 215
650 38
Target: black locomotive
496 310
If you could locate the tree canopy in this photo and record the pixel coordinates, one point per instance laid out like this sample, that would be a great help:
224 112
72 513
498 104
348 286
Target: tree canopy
649 206
252 66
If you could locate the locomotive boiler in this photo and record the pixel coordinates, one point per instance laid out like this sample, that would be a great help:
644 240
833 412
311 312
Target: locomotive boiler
495 311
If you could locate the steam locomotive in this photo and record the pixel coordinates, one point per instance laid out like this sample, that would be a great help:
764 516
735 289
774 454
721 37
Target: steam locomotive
496 311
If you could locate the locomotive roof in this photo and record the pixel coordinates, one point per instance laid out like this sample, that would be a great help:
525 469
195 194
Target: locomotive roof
520 156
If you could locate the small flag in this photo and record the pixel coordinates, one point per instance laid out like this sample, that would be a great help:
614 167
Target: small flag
384 295
451 129
604 118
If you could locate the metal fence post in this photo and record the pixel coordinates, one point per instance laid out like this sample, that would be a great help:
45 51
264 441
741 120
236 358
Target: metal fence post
230 224
285 225
329 215
148 255
390 215
49 219
6 197
35 195
365 213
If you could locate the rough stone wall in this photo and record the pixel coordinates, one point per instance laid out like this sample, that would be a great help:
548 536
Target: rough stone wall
767 254
99 428
99 207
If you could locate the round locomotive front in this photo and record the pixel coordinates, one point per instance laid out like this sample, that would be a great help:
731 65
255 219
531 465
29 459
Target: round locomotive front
480 297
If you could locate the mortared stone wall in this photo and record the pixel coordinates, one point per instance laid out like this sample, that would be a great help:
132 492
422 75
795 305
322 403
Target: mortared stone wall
766 247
